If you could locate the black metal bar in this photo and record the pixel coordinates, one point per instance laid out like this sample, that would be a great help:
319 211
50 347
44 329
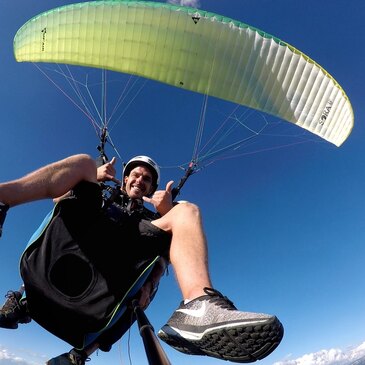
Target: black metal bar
188 172
103 158
154 351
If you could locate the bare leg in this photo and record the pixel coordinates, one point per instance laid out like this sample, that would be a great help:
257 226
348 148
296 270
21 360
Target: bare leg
50 181
188 252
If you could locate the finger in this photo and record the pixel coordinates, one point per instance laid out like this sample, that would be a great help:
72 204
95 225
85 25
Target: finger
111 169
146 199
143 298
112 161
169 186
116 180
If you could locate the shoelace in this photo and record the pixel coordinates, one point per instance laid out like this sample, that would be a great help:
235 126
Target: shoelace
11 303
219 299
78 359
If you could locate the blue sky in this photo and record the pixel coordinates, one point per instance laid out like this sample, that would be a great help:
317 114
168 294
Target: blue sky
285 226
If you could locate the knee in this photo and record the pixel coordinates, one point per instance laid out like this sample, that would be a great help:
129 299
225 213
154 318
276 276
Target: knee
181 215
85 165
84 160
187 210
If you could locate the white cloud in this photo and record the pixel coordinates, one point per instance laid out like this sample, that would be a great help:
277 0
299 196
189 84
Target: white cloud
328 357
8 358
192 3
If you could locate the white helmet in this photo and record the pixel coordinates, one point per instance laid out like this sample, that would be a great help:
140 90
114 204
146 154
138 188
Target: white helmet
146 161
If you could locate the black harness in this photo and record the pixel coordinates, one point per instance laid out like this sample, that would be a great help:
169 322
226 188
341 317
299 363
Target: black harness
77 273
118 206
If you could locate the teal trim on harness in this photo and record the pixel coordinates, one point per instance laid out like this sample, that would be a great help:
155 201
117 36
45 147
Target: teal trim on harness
41 228
34 237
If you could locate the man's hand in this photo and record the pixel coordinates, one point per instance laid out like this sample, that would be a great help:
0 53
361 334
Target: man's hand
161 199
149 288
107 172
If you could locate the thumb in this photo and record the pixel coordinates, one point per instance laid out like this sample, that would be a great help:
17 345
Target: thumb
169 186
119 182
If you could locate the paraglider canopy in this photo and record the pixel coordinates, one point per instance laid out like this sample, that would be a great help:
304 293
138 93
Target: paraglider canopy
194 50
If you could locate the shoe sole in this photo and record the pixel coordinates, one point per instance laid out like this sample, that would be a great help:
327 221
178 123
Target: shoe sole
242 343
10 326
25 320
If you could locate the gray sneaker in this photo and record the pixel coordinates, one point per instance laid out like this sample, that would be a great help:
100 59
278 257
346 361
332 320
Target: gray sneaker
73 357
13 311
211 325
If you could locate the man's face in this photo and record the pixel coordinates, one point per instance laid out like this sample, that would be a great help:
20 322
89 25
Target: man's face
139 182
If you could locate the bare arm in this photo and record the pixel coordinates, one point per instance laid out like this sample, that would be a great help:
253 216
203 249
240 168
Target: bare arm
105 172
